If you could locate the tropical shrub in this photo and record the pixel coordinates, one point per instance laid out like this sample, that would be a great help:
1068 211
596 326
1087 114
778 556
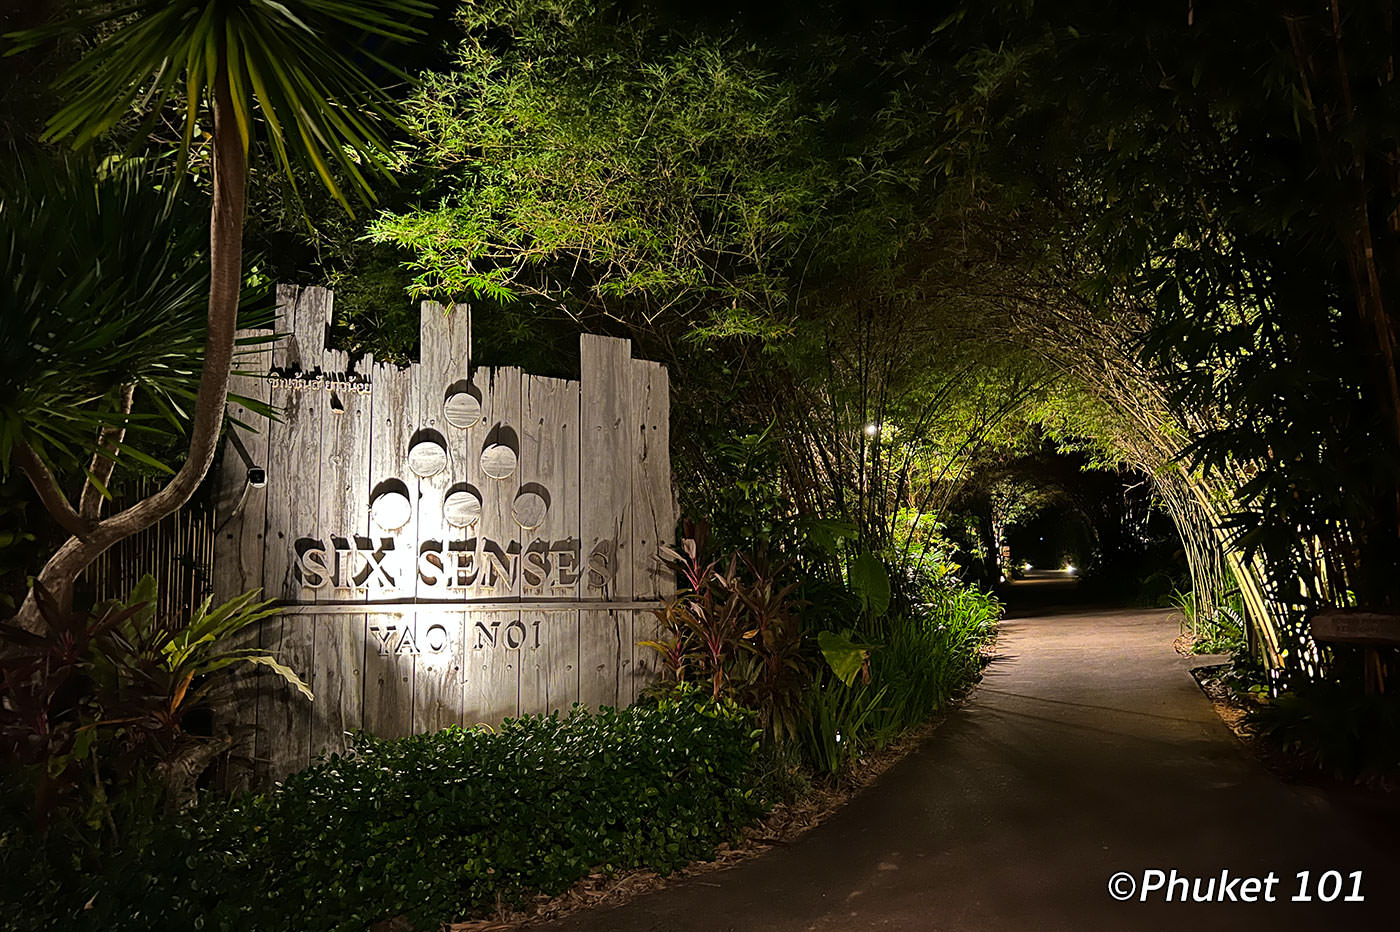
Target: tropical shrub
838 720
933 655
95 705
1211 629
1335 726
736 628
432 827
873 692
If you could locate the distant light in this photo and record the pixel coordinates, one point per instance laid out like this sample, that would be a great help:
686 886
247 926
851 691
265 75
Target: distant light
1027 567
1069 569
1003 579
872 429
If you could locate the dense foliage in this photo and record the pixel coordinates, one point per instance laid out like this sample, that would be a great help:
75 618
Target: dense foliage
900 272
914 665
430 827
827 685
1216 184
105 714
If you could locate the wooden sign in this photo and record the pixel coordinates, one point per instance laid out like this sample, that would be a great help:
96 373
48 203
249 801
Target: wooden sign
1352 627
453 546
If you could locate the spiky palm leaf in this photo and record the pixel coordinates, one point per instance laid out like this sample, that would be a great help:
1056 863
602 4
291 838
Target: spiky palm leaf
288 61
103 283
285 60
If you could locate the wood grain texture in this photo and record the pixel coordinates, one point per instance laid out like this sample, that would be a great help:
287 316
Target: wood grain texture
653 514
492 688
338 654
240 519
605 514
573 499
293 510
549 671
240 510
388 696
444 358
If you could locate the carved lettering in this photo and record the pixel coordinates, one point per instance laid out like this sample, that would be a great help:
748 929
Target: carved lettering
474 567
431 569
602 564
484 633
467 567
399 640
515 635
311 566
534 568
382 634
375 561
500 565
566 566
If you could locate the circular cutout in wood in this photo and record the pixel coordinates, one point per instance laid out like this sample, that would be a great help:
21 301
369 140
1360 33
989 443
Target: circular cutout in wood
529 510
427 458
391 510
462 409
498 461
461 508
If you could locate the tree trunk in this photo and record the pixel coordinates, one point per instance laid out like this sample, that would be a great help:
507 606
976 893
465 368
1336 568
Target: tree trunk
61 572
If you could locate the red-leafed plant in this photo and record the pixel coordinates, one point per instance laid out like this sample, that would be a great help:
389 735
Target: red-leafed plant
102 699
736 626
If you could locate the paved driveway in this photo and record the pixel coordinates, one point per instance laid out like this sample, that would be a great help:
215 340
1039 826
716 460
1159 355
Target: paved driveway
1087 750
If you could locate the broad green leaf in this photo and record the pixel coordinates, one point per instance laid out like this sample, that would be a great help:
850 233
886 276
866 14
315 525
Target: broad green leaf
843 655
871 582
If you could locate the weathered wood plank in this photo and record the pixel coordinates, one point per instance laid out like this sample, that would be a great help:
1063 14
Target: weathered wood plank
1375 629
389 663
293 512
240 515
568 482
239 506
444 351
605 516
549 677
337 674
310 321
492 689
653 515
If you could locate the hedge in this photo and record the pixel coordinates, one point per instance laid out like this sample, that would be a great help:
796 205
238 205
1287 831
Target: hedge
433 827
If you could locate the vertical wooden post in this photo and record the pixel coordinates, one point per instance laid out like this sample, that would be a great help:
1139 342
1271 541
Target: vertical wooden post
444 359
293 510
654 512
605 516
389 661
240 519
493 668
337 674
549 663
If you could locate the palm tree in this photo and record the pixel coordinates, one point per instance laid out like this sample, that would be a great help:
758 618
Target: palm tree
236 61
